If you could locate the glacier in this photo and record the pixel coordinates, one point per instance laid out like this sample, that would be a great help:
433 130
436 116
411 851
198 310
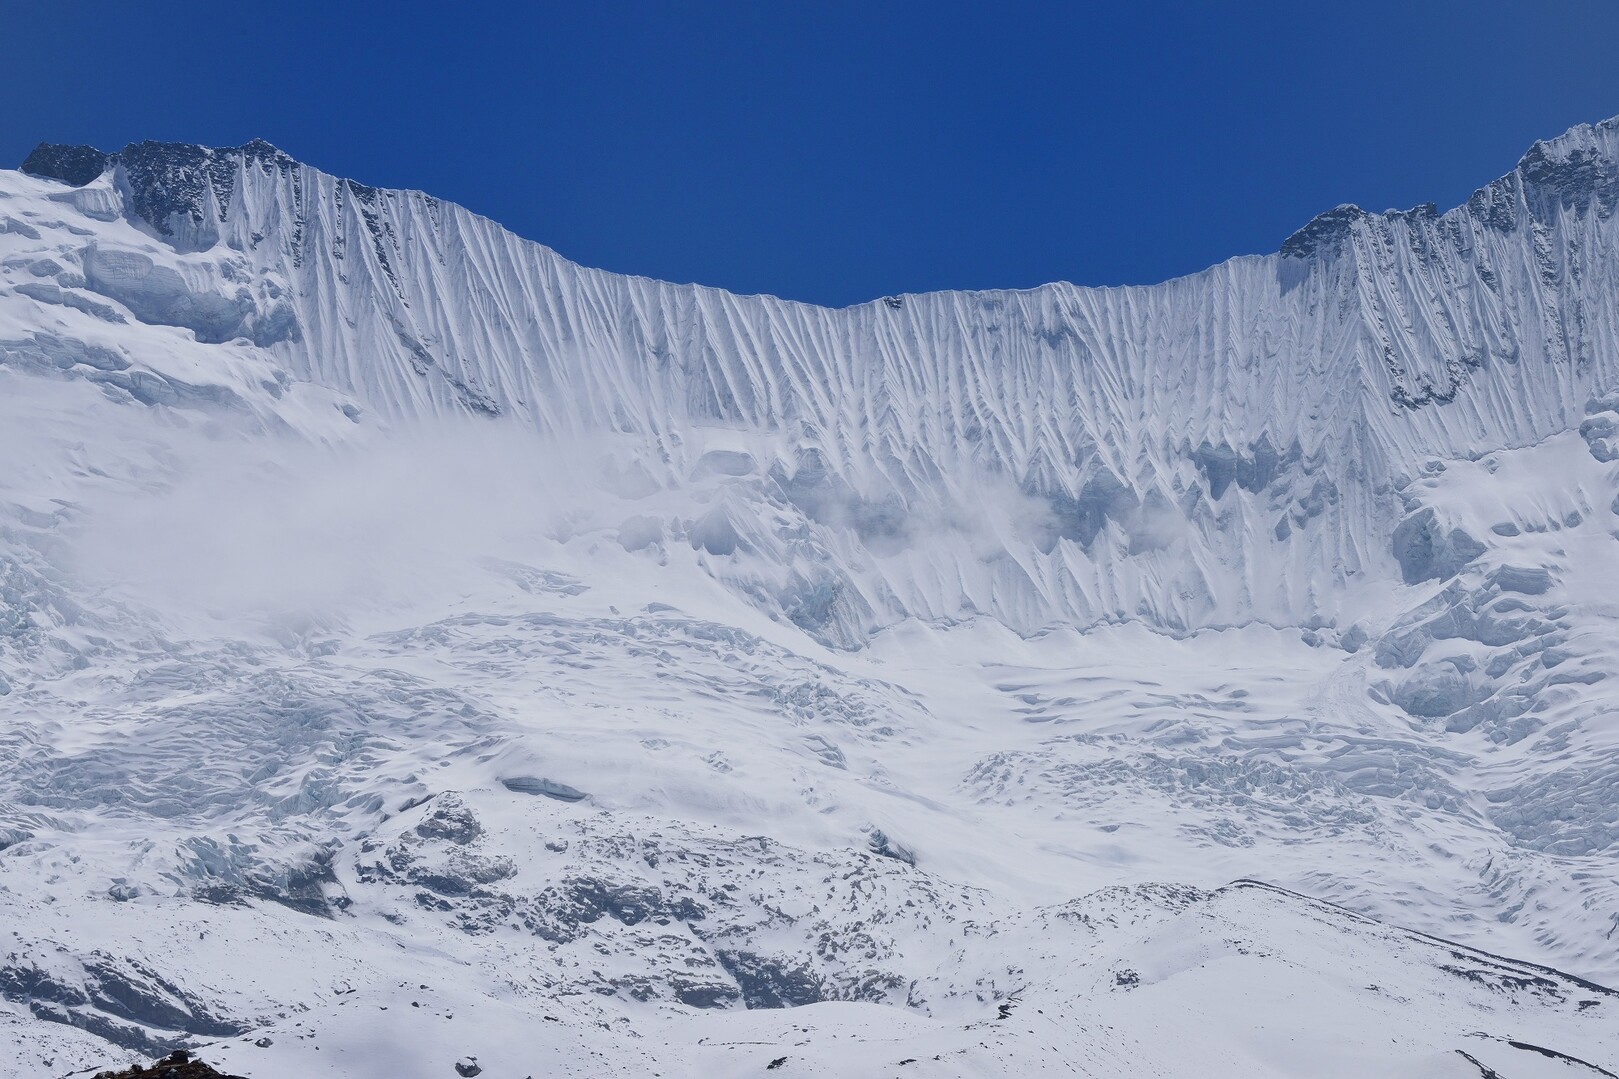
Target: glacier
399 620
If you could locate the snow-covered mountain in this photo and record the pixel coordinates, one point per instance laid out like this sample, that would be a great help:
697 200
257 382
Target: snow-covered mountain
395 616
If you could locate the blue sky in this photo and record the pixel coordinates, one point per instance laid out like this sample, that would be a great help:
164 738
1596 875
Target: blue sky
834 152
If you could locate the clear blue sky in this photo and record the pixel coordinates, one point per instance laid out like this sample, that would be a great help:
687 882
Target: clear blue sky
835 152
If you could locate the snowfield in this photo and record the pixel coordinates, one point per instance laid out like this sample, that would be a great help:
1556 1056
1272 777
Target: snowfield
420 654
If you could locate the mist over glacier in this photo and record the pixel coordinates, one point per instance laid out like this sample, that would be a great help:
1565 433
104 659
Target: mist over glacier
286 528
407 633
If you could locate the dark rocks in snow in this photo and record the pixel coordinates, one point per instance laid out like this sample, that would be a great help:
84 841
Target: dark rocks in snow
1558 1055
179 1064
75 165
452 821
467 1067
696 994
562 911
1573 178
436 858
305 887
1325 234
120 1000
170 183
308 887
769 982
1484 1070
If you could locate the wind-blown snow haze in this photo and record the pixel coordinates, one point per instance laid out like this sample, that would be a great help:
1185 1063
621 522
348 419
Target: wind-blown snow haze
286 527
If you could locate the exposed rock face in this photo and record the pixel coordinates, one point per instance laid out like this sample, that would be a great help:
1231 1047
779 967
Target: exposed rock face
76 165
121 1000
167 181
177 1065
1325 234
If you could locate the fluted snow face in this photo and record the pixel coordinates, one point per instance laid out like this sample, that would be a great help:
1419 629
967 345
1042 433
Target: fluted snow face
1082 411
1216 449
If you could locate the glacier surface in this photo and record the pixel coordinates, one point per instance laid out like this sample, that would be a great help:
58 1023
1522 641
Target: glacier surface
415 646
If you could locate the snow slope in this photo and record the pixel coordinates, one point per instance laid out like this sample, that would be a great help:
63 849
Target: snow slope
1184 427
395 615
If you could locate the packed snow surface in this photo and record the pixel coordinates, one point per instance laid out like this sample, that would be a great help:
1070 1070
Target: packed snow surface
422 655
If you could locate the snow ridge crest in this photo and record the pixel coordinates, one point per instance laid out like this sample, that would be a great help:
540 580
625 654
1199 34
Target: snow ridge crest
1575 169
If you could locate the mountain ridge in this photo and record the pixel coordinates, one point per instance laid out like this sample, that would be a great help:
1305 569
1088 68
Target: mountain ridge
1152 392
81 164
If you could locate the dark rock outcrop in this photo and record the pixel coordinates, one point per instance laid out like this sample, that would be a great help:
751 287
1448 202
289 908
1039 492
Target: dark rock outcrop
76 165
177 1065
